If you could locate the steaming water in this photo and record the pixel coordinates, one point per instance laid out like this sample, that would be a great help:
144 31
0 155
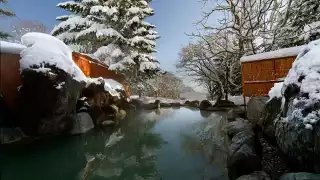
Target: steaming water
168 144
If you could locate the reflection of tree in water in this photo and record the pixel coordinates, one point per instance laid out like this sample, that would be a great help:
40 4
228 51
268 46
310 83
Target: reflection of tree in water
131 158
208 138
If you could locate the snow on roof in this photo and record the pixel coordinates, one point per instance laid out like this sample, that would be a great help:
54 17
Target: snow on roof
44 48
287 52
11 48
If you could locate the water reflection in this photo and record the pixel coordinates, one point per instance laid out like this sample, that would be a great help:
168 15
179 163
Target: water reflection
163 144
208 139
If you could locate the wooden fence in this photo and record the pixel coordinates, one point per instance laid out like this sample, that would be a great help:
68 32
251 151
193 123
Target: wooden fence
10 74
258 77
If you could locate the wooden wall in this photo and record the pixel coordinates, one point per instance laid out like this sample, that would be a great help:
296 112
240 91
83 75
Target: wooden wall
93 68
9 78
258 77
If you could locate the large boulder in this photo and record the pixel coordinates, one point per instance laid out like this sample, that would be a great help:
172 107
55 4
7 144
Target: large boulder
205 104
47 100
51 84
82 122
243 158
195 103
237 126
269 114
257 175
255 107
224 104
297 129
300 176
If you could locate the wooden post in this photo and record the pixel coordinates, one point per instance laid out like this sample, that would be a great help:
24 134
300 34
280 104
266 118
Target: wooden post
245 103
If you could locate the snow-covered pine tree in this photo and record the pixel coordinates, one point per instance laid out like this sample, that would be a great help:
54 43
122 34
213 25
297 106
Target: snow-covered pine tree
294 22
5 13
115 32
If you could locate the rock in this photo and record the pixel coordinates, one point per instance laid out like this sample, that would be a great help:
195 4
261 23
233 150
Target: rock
297 130
47 101
205 104
95 94
187 103
272 160
108 123
6 116
82 123
255 107
205 114
243 158
10 135
194 104
150 106
240 111
175 104
224 104
137 103
257 175
121 114
157 103
231 115
237 126
300 176
164 105
269 114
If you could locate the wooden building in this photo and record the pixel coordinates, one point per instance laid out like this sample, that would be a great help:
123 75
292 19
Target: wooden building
10 71
261 71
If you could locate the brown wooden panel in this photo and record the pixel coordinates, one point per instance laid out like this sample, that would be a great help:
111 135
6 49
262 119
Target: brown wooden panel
10 78
246 71
262 70
257 89
282 66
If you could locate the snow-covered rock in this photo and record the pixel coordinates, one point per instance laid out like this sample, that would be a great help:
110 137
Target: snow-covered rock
44 50
11 48
51 84
275 91
297 129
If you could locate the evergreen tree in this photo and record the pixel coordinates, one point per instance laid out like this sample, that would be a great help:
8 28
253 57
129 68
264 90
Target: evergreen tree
6 13
294 22
115 32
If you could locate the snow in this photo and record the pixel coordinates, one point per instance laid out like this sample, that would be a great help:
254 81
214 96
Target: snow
110 85
109 32
276 90
11 48
114 84
133 10
148 66
44 48
311 29
307 65
103 9
287 52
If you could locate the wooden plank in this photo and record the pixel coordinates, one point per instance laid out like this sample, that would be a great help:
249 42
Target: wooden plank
263 71
282 66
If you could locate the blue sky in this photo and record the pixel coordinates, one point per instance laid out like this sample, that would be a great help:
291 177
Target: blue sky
173 19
